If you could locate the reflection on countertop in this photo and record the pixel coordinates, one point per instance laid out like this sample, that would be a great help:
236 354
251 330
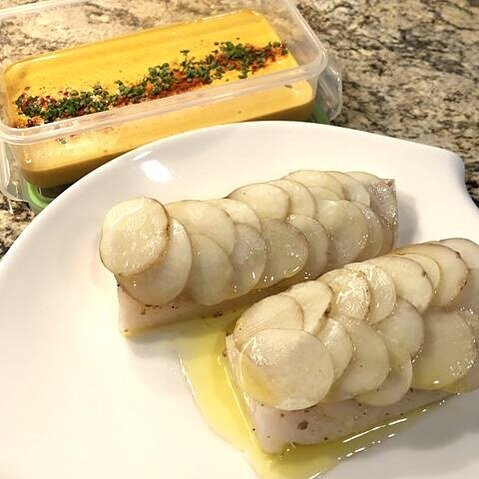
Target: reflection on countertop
411 71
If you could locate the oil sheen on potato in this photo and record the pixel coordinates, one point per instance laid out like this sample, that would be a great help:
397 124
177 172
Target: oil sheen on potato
63 160
200 344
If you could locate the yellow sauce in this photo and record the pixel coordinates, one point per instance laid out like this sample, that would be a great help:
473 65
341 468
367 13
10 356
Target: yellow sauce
201 345
59 161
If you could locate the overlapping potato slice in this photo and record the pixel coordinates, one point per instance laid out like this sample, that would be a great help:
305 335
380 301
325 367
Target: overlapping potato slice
353 189
374 242
381 290
468 298
429 265
211 279
315 299
337 341
351 293
452 267
410 280
369 364
347 228
248 258
404 326
468 250
266 200
285 369
448 352
239 212
275 312
162 282
321 193
287 251
398 382
134 236
318 244
203 218
311 178
301 201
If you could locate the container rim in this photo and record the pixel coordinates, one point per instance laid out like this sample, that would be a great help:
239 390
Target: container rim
71 126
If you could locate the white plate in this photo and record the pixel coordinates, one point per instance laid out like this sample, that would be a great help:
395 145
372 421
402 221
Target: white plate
77 400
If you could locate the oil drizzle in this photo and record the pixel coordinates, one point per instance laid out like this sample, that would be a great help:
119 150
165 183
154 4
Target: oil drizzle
200 345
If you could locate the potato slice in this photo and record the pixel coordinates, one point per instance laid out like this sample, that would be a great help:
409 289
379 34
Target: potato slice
163 282
404 326
287 250
212 276
353 189
470 381
468 298
275 312
239 212
301 201
351 292
267 201
203 218
448 352
383 203
134 236
318 244
322 193
398 382
381 290
315 299
374 244
347 228
248 258
317 178
288 370
410 280
369 365
337 341
468 250
452 267
429 265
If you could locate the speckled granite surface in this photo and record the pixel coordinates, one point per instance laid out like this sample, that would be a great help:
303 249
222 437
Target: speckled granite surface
411 70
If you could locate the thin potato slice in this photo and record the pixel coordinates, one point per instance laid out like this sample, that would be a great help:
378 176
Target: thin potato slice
315 299
410 280
468 298
301 201
134 236
453 270
448 352
369 365
275 312
337 341
374 244
398 382
163 282
468 250
248 258
381 290
470 381
429 265
212 276
267 201
203 218
347 228
353 189
288 370
404 326
317 178
287 251
239 212
351 292
318 244
321 193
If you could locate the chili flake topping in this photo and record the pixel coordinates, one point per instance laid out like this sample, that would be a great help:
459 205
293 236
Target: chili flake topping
160 81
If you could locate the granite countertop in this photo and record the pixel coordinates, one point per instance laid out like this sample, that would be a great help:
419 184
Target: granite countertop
411 70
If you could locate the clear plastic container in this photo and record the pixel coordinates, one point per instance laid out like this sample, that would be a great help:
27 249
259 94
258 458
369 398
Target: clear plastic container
37 162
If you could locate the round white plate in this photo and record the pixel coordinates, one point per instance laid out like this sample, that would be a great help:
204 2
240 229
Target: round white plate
79 401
